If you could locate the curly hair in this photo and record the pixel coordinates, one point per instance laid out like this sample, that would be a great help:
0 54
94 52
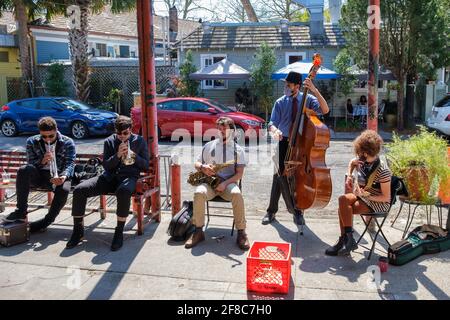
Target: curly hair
369 142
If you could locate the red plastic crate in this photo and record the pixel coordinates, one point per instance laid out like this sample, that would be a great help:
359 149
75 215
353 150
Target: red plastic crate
269 267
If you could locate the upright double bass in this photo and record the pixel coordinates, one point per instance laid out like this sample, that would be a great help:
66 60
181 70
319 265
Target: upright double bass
308 177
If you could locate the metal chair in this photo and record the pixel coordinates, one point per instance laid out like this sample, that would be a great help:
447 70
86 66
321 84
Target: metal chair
220 199
397 188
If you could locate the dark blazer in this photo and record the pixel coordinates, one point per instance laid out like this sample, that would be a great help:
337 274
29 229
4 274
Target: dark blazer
114 166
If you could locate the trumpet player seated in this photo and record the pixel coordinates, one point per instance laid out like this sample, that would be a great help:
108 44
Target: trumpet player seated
219 168
51 162
125 156
367 189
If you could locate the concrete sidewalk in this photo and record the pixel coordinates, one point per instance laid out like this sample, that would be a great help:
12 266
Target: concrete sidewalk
152 267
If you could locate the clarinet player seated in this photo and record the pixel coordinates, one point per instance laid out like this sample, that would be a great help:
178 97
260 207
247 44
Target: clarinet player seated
51 162
220 151
125 156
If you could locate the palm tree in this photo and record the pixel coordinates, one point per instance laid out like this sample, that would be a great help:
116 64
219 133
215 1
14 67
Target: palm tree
23 10
78 43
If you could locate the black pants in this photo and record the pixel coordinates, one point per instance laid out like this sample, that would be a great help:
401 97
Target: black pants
280 184
123 187
29 176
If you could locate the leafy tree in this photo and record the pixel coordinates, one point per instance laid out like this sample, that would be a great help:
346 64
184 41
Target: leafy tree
342 65
188 87
413 39
261 73
56 84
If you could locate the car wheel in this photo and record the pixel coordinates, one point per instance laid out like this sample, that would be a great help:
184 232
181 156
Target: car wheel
9 128
79 130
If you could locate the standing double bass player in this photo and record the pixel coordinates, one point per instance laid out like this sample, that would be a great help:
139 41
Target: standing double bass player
282 118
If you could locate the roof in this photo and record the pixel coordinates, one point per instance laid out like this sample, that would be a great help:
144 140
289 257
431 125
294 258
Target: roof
108 23
251 35
223 69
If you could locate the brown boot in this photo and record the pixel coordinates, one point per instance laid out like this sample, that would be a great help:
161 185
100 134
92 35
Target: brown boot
242 240
195 238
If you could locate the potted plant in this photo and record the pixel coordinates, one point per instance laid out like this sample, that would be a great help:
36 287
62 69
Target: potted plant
421 160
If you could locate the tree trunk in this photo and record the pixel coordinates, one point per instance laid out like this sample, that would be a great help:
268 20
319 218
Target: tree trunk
400 103
79 53
249 10
24 42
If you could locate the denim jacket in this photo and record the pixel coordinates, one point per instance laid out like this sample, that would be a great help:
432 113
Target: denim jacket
65 153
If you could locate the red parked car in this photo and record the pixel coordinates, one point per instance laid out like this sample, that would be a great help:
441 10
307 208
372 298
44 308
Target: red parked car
181 113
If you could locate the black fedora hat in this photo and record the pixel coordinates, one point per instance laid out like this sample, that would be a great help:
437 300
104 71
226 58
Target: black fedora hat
294 77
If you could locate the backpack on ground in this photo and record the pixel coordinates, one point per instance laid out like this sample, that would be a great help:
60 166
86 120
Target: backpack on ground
92 168
181 225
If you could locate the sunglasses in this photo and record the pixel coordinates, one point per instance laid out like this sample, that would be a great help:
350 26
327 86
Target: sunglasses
124 133
50 136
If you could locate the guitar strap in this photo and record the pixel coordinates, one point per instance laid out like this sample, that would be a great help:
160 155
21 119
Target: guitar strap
372 174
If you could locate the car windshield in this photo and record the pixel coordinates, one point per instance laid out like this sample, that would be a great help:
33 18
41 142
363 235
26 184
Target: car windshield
73 105
220 106
444 102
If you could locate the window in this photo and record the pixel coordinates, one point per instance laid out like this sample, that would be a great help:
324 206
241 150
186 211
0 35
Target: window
292 57
111 53
124 51
172 105
29 104
443 103
195 106
48 105
101 49
207 60
4 56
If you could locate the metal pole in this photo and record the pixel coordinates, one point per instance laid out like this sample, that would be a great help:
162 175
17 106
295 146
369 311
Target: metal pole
373 24
146 41
175 170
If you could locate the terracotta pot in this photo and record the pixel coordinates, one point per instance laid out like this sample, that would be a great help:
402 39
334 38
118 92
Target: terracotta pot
418 182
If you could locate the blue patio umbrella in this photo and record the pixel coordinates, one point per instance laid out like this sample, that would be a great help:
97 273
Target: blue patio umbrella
303 68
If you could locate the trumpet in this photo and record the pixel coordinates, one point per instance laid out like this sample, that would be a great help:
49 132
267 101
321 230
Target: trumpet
52 165
130 157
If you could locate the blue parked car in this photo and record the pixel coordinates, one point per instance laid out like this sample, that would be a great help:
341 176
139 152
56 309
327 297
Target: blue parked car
73 117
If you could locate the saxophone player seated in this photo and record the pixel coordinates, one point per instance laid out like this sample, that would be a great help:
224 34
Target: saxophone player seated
51 162
125 156
216 152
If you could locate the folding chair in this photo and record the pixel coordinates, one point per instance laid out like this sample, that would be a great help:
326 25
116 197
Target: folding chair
220 199
397 187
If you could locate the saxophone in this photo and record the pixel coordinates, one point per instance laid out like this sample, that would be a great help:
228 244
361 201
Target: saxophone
198 178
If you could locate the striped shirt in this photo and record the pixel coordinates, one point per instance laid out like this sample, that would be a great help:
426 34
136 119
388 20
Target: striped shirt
383 175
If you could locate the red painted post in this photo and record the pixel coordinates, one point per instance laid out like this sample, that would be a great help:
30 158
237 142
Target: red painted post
175 173
146 40
373 23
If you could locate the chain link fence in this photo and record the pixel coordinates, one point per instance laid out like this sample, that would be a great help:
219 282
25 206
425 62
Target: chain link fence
16 88
105 76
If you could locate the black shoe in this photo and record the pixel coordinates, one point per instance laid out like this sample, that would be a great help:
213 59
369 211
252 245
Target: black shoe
268 218
16 216
76 238
349 243
39 225
117 241
298 218
334 250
